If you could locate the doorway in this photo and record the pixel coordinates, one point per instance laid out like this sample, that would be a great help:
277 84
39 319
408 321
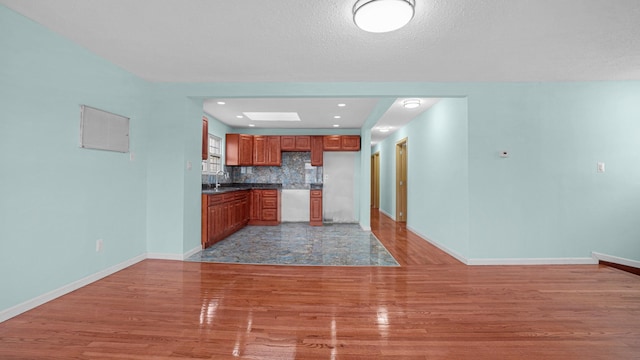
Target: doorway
375 180
401 180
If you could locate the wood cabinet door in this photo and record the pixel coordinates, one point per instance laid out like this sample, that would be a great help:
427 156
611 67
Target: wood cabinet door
273 152
246 150
315 210
350 142
332 143
317 150
259 150
205 138
256 205
239 150
303 143
288 143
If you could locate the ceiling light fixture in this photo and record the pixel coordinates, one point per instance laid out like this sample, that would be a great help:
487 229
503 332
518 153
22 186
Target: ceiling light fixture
221 102
384 129
342 105
380 16
411 103
337 117
336 125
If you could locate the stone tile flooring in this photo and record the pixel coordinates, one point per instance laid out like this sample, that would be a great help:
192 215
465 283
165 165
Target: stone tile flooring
299 244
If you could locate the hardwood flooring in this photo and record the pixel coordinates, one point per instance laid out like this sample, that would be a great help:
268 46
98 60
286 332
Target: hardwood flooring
432 307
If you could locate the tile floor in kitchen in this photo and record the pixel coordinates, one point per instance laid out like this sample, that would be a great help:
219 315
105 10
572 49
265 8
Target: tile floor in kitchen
299 244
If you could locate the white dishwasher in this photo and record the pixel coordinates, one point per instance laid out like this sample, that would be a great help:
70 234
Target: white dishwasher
295 205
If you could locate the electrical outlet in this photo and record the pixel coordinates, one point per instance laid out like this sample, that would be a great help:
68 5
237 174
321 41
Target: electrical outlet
99 245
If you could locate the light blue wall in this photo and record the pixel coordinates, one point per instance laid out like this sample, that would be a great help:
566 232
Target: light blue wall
437 179
544 201
57 199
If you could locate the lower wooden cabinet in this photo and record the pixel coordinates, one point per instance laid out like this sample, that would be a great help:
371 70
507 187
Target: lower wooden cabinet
265 207
315 210
223 214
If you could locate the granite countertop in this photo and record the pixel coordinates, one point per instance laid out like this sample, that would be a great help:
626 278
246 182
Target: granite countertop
224 188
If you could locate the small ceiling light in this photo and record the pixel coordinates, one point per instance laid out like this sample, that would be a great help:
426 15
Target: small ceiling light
239 116
221 102
342 105
384 129
337 117
336 125
251 125
411 103
380 16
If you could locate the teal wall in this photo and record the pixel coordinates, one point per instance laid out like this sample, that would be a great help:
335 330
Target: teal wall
57 199
545 200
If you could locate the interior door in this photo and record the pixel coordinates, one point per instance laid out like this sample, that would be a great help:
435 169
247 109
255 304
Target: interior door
401 180
375 180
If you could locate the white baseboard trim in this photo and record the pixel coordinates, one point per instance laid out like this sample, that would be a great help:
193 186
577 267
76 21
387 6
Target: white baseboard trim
63 290
615 259
389 215
449 251
365 228
164 256
191 252
533 261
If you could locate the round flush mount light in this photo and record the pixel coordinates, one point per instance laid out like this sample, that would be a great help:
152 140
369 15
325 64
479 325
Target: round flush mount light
380 16
411 103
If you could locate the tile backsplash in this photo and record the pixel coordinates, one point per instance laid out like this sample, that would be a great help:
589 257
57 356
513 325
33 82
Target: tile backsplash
296 172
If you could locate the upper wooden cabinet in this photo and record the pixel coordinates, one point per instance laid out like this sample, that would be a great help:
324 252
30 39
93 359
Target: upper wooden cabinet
205 138
341 143
266 150
295 143
239 150
317 150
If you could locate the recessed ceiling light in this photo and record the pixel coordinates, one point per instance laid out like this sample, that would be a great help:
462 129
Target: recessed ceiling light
221 102
411 103
336 125
384 129
337 117
239 116
273 116
342 105
251 125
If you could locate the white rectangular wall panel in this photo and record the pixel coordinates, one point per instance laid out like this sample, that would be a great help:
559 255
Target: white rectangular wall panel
103 130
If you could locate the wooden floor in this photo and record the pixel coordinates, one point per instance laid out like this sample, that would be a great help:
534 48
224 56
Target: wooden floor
432 307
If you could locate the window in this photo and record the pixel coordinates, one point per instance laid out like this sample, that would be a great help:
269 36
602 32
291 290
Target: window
214 163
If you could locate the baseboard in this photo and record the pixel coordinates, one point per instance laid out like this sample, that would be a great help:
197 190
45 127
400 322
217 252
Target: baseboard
165 256
628 265
533 261
449 251
386 213
191 252
507 261
63 290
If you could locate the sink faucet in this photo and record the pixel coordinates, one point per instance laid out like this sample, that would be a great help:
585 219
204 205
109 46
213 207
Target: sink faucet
224 174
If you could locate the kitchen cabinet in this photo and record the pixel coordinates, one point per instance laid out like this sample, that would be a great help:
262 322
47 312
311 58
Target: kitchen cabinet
223 214
295 143
205 138
266 150
239 150
317 149
341 143
315 208
265 207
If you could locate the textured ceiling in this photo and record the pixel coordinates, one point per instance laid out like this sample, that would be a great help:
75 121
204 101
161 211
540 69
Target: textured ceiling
316 41
296 40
